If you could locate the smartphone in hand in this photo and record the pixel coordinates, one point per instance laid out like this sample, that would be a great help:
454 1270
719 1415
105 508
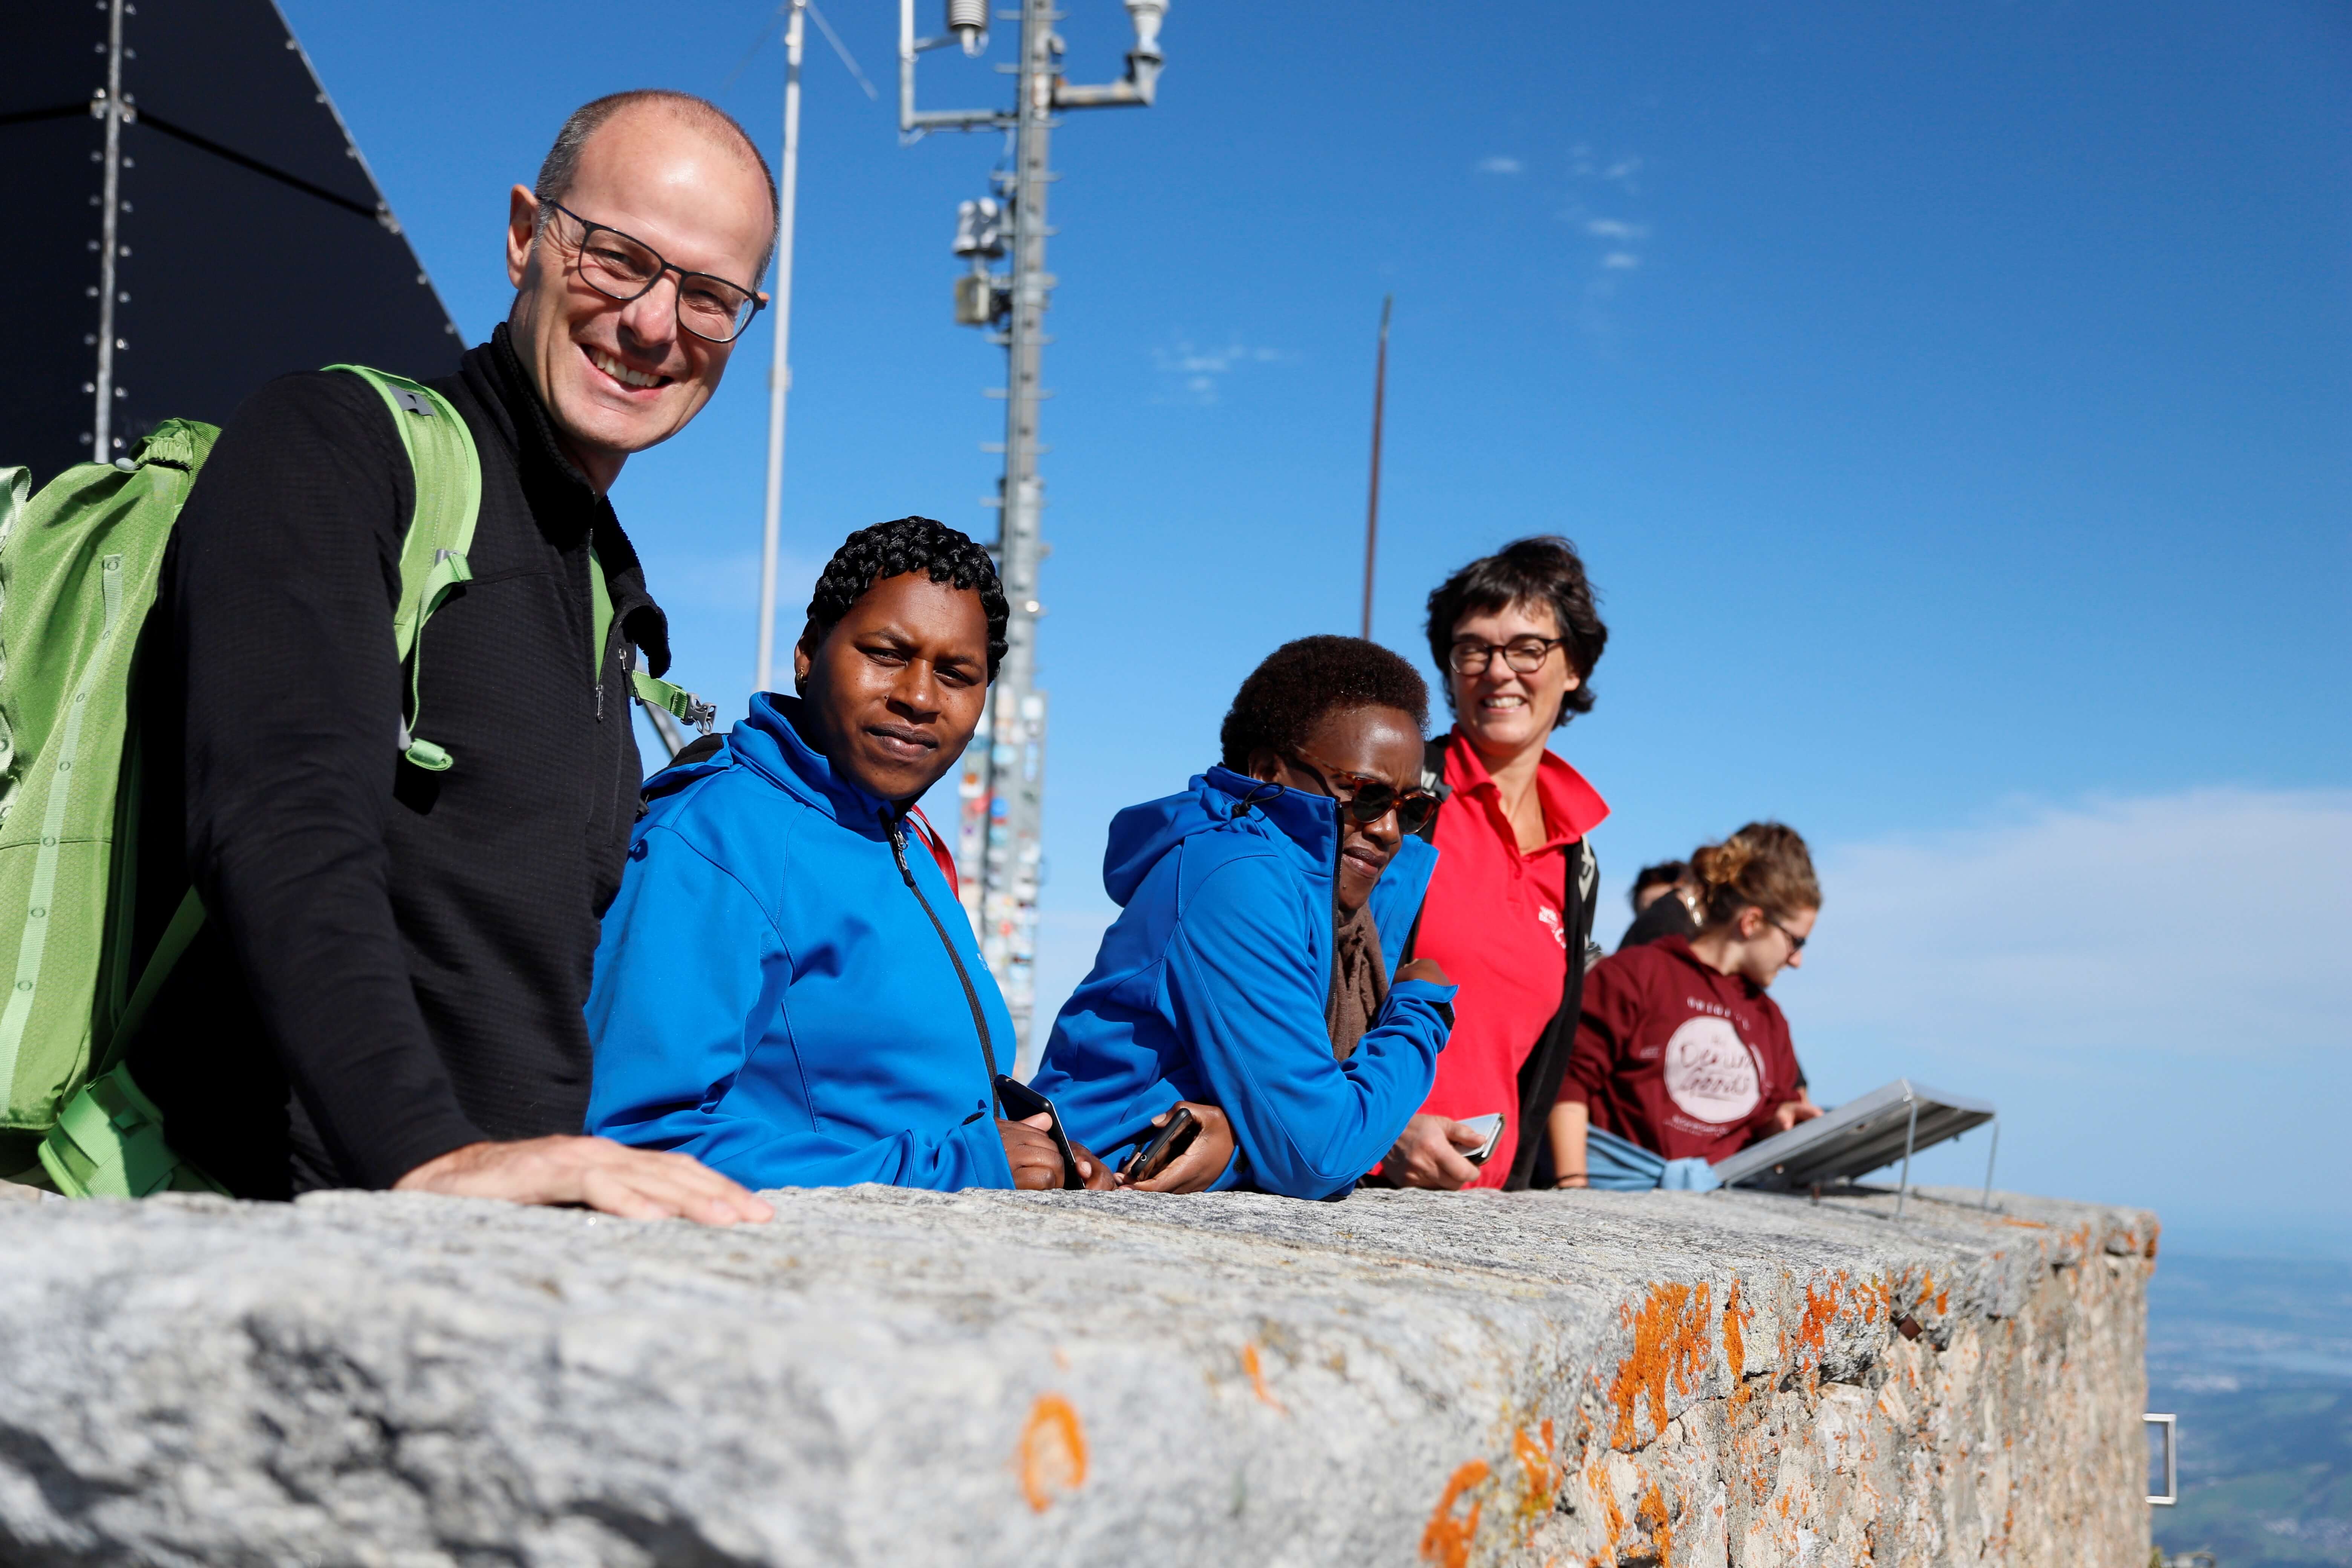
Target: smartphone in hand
1022 1103
1162 1149
1490 1127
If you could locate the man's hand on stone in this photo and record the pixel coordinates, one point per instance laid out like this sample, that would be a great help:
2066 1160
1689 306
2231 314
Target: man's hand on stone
593 1172
1029 1149
1428 1153
1203 1160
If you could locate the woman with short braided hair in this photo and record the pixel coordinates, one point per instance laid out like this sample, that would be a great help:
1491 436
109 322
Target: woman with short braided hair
788 988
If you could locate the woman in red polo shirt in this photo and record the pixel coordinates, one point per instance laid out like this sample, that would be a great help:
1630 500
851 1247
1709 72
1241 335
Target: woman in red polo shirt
1510 912
1679 1049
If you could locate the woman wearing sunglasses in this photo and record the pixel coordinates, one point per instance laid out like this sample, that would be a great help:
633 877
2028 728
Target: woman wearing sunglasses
1679 1049
1509 914
1254 977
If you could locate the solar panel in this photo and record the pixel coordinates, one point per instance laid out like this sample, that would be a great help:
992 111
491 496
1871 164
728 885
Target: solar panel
251 240
1864 1134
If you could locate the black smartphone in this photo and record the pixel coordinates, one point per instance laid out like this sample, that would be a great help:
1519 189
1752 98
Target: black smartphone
1022 1103
1160 1149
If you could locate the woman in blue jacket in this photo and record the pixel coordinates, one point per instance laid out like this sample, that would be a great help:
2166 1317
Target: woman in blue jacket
1264 908
787 988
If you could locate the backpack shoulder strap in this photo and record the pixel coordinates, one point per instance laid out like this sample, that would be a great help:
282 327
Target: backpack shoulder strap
675 700
1432 779
448 482
448 473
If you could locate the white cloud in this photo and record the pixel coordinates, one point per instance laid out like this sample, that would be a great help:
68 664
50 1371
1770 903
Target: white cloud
1193 372
1619 261
2210 924
2150 990
1500 164
1617 228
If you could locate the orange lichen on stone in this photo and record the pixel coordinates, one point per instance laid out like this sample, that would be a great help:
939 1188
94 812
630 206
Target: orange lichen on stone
1053 1455
1446 1540
1613 1518
1671 1342
1943 1302
2154 1231
2023 1224
1543 1472
1735 1348
1652 1512
1257 1378
1821 1310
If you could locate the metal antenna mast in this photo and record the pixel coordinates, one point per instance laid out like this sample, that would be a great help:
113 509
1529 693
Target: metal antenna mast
999 854
1373 508
780 374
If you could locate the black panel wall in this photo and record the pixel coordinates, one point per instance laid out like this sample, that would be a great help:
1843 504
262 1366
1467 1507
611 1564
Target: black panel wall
254 240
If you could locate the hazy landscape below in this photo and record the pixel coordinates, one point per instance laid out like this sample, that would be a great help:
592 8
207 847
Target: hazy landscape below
2255 1357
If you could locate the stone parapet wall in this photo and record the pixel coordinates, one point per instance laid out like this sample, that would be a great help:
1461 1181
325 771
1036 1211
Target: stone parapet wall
896 1378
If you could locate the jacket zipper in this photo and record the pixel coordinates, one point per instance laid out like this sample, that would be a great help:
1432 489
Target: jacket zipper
971 997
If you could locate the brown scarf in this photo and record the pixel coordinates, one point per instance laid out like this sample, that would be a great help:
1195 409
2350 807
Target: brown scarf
1360 981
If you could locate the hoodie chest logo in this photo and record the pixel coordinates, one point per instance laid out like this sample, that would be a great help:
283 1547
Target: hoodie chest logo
1710 1073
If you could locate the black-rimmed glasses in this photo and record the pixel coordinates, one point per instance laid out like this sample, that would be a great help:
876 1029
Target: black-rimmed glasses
1369 799
1468 656
623 268
1796 943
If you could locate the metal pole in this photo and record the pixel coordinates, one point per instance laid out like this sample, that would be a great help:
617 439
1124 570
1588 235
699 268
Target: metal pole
1014 799
1910 1133
999 854
1372 510
780 374
110 109
1990 1155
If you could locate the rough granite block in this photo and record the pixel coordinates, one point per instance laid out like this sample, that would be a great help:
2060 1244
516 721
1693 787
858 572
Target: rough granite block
894 1378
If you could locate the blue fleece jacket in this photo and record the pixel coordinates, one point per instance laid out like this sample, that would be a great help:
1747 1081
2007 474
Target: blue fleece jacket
1213 983
771 995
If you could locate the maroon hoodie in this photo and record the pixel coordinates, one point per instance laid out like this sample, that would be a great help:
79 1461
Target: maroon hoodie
1678 1058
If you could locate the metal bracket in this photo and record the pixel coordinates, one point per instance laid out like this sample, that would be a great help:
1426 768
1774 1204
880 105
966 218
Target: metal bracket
1910 1137
2170 1424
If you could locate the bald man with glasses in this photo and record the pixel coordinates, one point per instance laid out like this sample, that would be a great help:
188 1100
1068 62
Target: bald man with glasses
388 989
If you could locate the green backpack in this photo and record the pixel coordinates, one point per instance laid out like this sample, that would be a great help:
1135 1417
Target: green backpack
79 569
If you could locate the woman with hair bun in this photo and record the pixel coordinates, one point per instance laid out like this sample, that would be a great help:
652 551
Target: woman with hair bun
1678 1049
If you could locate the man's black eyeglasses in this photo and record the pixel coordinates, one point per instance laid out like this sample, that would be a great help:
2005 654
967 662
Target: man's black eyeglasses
623 268
1368 799
1468 656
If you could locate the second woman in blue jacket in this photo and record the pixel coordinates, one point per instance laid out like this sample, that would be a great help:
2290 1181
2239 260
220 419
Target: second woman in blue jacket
1265 907
787 988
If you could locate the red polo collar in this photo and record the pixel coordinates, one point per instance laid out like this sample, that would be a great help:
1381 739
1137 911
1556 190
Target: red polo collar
1572 806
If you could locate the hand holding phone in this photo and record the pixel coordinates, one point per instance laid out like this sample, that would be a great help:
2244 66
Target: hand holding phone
1162 1147
1489 1128
1021 1103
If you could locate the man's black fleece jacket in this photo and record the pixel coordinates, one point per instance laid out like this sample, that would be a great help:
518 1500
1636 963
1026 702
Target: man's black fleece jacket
395 960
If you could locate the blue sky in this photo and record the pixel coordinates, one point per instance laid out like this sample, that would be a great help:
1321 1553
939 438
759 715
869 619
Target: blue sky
1951 404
